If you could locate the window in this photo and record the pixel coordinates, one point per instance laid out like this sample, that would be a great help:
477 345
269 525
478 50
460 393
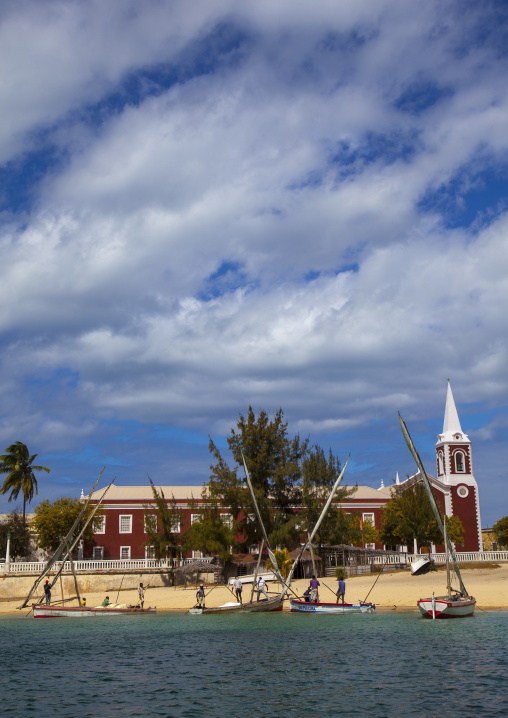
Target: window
98 553
194 518
126 524
227 519
369 518
440 463
175 524
101 529
150 523
459 462
149 552
125 552
370 545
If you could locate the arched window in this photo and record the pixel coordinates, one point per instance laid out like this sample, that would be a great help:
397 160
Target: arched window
440 463
459 462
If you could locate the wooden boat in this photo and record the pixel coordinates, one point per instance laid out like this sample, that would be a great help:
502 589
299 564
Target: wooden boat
333 608
421 566
64 552
43 611
457 603
271 604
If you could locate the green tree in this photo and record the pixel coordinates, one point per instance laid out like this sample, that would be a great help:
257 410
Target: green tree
212 534
54 519
284 562
274 462
346 529
161 525
500 528
319 474
20 536
19 467
409 516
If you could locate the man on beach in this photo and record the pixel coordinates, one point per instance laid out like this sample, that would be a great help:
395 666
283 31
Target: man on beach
314 585
238 586
200 596
47 591
141 594
261 587
342 590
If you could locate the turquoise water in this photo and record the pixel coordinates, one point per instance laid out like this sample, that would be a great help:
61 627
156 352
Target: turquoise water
387 664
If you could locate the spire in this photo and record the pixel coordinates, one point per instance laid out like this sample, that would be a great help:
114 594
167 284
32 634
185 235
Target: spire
451 418
382 485
397 480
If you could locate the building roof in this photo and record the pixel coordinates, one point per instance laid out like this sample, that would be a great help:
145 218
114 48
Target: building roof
144 493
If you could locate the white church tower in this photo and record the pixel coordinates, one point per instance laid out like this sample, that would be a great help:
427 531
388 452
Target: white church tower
455 470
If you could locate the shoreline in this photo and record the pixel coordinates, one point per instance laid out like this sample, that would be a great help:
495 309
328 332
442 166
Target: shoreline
397 591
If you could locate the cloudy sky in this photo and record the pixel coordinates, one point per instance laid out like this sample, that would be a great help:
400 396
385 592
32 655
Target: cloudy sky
213 204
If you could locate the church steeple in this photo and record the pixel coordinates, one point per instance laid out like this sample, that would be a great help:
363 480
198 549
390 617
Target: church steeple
451 418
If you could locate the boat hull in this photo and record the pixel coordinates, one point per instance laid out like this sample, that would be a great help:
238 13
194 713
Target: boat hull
443 607
41 611
334 608
273 604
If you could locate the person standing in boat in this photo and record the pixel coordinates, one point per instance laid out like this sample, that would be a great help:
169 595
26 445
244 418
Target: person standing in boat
314 586
238 586
341 590
261 586
141 594
47 591
200 596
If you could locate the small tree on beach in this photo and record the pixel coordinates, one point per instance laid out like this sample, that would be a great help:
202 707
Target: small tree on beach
54 519
500 528
162 525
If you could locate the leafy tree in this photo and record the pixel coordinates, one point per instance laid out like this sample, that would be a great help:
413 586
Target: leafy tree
500 528
319 474
54 519
409 516
160 525
211 534
346 529
20 536
274 463
18 465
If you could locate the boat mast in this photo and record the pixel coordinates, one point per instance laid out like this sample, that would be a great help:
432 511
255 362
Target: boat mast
448 581
318 524
428 488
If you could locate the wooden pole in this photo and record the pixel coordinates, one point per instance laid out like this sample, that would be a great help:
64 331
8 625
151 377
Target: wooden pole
256 572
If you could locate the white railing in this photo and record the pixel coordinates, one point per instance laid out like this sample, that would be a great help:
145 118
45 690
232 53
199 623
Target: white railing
101 565
469 556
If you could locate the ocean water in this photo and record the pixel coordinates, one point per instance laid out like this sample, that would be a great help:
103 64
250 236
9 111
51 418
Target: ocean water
281 664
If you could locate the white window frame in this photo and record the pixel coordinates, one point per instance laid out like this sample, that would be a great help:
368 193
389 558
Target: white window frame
126 549
227 519
100 551
463 459
194 518
175 526
102 527
125 516
370 545
149 551
148 519
370 516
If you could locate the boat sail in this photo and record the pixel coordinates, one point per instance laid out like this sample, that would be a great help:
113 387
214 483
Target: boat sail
270 604
457 603
64 552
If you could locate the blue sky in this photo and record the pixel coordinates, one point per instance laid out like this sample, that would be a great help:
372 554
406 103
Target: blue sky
291 205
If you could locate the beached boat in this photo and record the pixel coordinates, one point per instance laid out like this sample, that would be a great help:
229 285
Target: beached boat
271 604
333 608
43 611
457 603
64 553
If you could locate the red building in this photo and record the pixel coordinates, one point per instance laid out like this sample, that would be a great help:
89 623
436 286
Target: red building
123 532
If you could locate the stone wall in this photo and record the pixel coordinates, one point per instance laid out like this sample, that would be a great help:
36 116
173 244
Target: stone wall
14 587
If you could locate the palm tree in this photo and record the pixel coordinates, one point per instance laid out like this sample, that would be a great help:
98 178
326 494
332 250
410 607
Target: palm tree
18 465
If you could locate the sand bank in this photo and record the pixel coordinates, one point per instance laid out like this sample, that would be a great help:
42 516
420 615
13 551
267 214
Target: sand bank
398 589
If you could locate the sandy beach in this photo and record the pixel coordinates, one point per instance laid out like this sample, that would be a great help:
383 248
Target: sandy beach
398 589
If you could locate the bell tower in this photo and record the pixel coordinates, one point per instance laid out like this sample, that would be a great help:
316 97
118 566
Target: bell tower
455 469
